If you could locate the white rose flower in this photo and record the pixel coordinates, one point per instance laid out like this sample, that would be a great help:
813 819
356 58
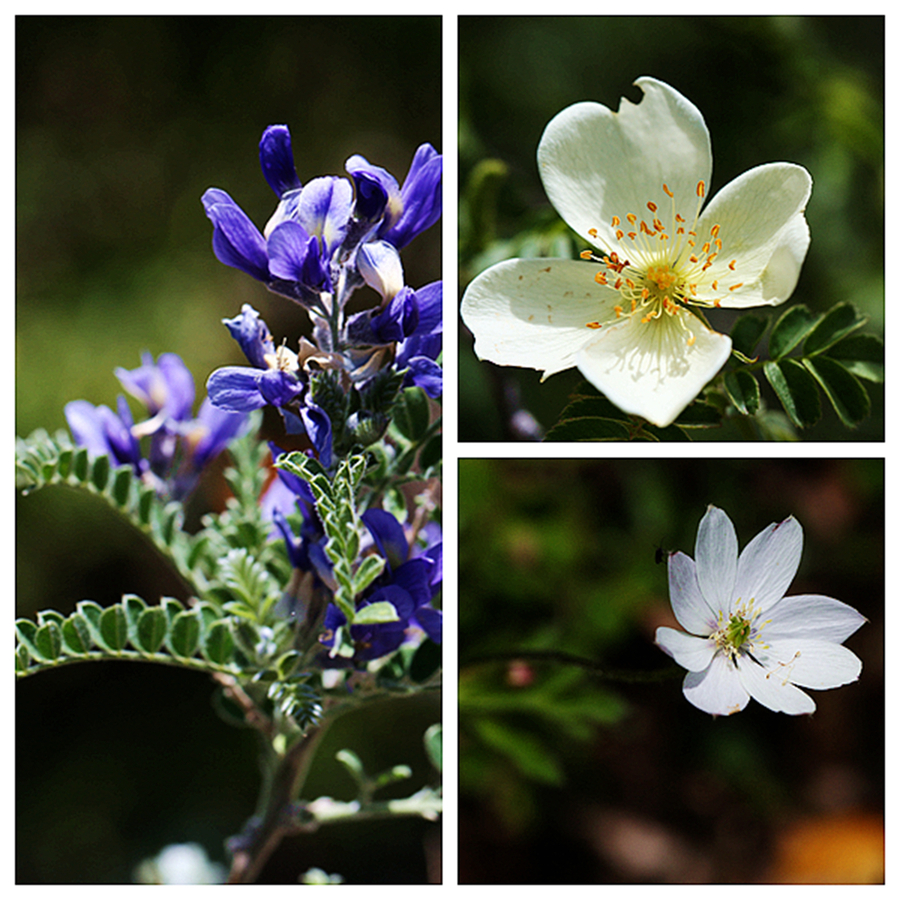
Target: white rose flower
633 184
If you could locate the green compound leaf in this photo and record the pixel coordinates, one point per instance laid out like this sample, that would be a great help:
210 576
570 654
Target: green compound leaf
790 330
743 391
847 395
796 389
837 323
131 630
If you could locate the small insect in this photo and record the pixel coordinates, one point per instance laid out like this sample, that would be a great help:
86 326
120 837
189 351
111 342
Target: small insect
662 555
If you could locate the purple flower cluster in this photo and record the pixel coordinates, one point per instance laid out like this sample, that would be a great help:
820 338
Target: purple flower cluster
178 446
327 238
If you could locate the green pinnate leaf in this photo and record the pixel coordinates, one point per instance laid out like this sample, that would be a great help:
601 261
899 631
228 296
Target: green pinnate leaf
114 628
92 612
25 632
184 634
790 330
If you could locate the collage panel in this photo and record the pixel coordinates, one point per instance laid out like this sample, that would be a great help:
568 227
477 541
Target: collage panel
228 510
648 246
671 671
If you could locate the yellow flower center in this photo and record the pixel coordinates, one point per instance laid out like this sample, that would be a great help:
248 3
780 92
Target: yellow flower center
659 268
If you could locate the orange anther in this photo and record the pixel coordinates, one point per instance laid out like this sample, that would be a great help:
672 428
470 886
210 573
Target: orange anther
618 311
734 287
645 293
715 285
731 264
619 234
600 278
615 221
592 325
693 258
679 217
701 188
705 248
714 231
592 232
691 340
585 254
632 234
651 206
631 218
668 192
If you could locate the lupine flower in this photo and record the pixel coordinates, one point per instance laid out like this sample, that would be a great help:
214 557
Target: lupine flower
278 377
633 184
405 212
746 638
180 446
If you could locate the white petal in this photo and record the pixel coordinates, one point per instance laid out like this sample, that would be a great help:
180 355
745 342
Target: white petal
768 564
534 312
596 163
690 607
812 616
716 553
811 663
763 231
718 690
692 653
649 369
772 690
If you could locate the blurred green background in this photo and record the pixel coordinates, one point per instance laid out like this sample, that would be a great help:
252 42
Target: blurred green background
570 779
121 124
808 90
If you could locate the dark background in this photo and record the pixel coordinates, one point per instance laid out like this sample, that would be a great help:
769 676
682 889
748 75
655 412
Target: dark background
121 125
808 90
567 778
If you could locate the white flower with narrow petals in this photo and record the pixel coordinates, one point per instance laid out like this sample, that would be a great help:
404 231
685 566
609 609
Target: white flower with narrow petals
633 184
746 638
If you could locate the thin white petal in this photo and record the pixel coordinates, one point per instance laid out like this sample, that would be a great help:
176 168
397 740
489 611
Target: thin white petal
812 616
716 553
718 690
694 614
692 653
772 689
648 369
811 663
768 564
596 163
534 312
763 232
